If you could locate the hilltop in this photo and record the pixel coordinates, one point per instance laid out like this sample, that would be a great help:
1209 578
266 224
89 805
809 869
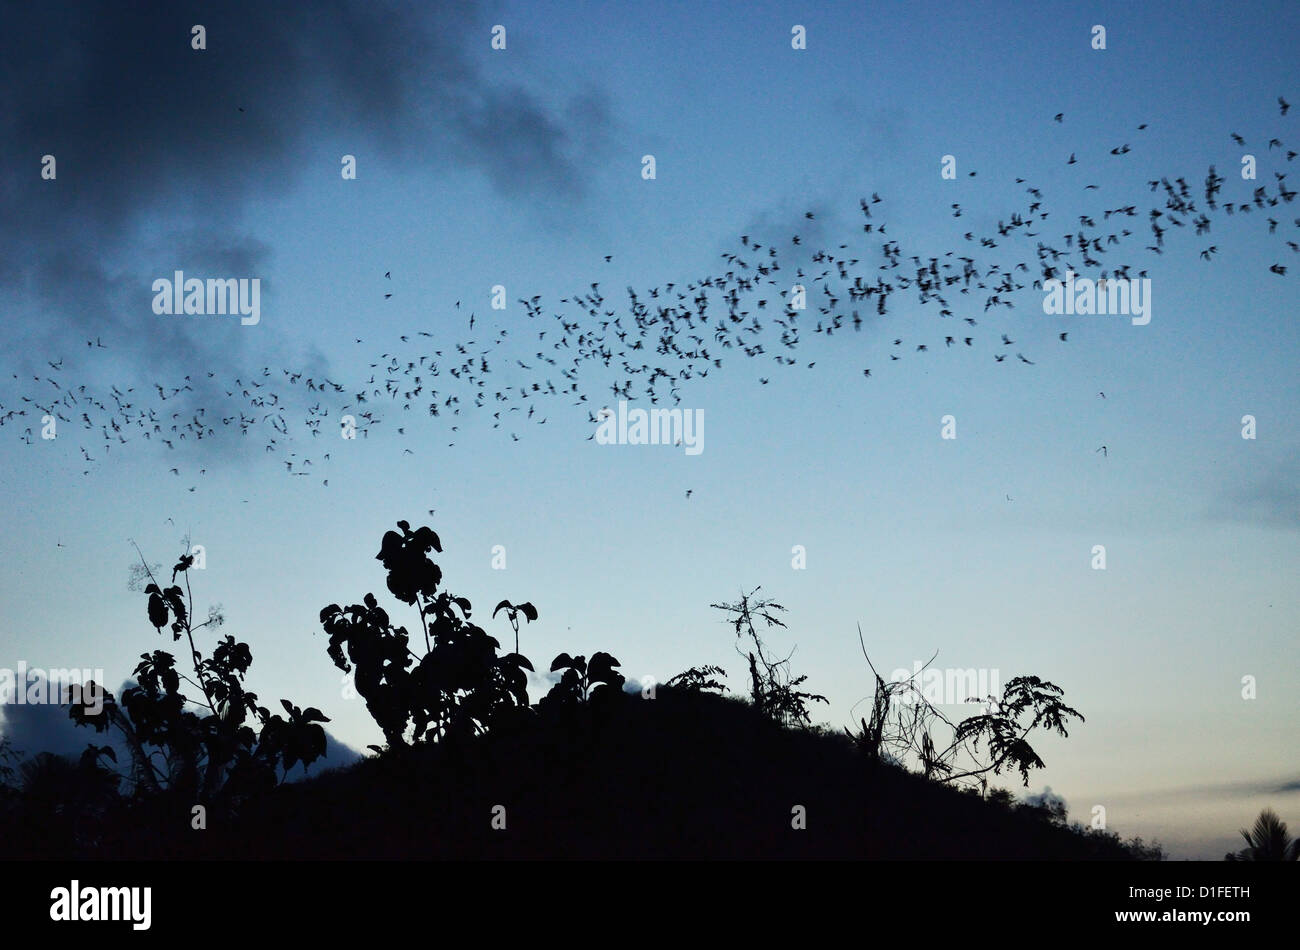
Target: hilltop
686 774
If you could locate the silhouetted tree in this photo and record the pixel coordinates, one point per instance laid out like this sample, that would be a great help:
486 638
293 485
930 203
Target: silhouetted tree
903 730
582 681
1268 840
773 691
460 687
1001 797
8 758
219 747
699 679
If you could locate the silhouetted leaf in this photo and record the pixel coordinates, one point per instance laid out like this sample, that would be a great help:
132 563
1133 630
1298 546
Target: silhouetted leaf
425 538
157 610
601 671
389 546
518 659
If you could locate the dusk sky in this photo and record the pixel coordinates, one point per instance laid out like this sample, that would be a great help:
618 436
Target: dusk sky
523 167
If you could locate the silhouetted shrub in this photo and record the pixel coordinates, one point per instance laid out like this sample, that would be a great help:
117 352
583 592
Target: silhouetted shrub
699 679
773 691
227 749
460 687
902 732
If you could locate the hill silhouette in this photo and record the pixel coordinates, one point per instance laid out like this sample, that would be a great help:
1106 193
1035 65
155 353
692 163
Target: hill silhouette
683 775
474 768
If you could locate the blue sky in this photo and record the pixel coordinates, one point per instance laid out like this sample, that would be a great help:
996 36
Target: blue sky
522 168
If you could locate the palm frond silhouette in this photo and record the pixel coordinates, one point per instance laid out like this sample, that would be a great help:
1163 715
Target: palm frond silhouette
1268 840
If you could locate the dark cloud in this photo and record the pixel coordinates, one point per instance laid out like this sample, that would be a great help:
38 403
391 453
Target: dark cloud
1247 788
148 134
538 140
